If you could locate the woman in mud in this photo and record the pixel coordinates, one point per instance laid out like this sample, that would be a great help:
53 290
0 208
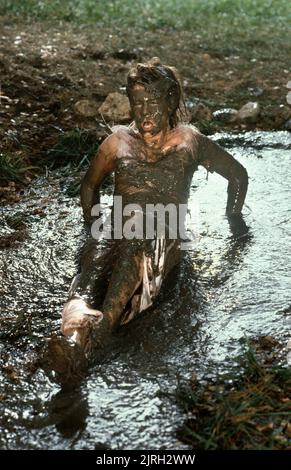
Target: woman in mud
153 160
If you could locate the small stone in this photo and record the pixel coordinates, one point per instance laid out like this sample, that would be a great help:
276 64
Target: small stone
249 112
225 115
115 108
86 108
256 91
201 112
287 125
283 111
277 115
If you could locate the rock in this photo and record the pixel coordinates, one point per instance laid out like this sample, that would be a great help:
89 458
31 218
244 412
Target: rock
225 115
282 114
287 125
201 112
249 112
276 116
115 108
256 91
86 108
204 57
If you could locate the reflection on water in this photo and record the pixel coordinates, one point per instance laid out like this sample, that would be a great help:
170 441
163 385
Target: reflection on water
236 284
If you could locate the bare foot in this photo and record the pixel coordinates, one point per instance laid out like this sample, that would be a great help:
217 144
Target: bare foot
85 325
69 358
75 315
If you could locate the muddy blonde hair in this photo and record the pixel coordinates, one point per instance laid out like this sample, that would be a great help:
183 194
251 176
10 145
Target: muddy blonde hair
162 81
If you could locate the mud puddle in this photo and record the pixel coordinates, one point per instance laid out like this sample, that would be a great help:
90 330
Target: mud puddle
231 287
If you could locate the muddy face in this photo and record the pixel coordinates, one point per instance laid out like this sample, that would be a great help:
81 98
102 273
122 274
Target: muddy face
150 111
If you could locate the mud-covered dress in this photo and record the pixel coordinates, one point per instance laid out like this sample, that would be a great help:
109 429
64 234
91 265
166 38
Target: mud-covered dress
145 185
106 274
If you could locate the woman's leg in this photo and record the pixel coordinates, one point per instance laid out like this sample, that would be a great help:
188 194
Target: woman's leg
81 315
126 277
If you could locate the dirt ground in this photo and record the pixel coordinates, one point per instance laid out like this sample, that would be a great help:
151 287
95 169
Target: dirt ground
45 70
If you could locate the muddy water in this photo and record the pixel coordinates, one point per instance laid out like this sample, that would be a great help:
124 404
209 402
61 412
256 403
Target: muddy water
229 288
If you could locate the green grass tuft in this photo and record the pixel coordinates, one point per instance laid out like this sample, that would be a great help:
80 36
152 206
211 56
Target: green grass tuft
13 168
155 14
249 410
74 148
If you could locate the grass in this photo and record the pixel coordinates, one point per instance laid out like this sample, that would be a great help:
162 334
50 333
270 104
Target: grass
223 26
13 168
72 153
74 148
154 14
257 29
249 411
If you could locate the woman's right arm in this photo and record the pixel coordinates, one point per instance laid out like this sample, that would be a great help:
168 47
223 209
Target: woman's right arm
101 165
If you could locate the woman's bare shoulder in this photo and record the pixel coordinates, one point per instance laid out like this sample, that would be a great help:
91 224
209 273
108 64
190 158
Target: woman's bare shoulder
185 136
188 131
123 139
124 132
119 134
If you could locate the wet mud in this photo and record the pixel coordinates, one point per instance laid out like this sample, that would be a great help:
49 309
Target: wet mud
234 285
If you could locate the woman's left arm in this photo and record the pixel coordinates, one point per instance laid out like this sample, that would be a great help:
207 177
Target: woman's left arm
214 158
